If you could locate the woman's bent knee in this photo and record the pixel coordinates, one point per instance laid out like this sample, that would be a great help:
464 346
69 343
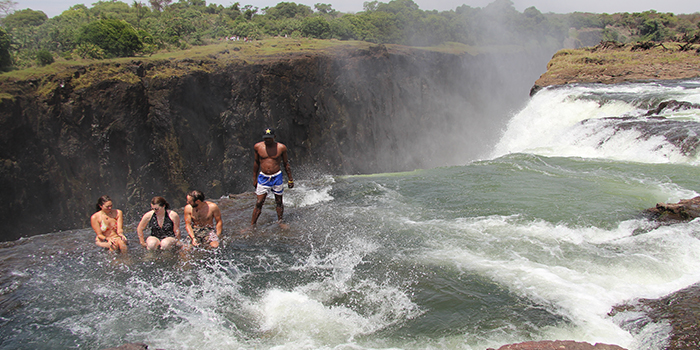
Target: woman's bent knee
168 243
152 243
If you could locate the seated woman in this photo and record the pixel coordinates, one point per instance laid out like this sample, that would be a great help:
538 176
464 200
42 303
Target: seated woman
108 226
164 224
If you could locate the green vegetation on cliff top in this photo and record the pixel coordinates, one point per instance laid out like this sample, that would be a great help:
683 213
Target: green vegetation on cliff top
115 28
611 62
212 57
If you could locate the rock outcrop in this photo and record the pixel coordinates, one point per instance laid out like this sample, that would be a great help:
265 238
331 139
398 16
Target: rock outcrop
678 309
140 128
684 210
611 63
531 345
130 346
558 345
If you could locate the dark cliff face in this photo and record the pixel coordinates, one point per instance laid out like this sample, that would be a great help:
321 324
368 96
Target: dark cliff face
356 111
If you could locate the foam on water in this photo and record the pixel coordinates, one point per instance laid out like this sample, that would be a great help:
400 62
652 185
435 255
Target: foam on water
203 305
581 272
575 122
308 194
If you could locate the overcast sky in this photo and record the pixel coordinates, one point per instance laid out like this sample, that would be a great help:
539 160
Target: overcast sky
55 7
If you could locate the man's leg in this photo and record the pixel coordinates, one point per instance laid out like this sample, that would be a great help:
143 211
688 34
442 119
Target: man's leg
280 207
213 239
258 208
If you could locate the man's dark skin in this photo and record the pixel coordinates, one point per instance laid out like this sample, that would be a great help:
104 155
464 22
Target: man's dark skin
270 155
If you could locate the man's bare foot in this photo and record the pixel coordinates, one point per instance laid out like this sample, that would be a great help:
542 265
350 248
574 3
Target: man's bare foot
283 225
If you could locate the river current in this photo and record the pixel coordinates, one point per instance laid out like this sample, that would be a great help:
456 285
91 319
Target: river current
537 240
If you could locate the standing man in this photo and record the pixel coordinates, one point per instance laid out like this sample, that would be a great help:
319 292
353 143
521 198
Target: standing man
199 220
269 156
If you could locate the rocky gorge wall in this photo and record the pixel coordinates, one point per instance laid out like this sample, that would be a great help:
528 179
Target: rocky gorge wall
141 128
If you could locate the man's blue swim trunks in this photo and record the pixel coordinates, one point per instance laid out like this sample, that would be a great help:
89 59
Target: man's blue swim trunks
267 183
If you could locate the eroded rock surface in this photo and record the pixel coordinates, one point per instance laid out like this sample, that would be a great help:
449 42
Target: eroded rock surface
684 210
558 345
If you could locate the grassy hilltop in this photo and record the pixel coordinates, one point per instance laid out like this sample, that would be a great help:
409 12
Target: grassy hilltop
610 62
206 58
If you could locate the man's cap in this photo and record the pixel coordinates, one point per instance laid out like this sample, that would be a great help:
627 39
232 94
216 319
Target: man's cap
269 132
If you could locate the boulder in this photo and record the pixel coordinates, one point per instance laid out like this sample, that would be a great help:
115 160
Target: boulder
679 310
130 346
558 345
684 210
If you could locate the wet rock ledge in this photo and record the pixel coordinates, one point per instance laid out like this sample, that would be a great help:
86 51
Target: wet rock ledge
131 346
680 310
684 210
533 345
558 345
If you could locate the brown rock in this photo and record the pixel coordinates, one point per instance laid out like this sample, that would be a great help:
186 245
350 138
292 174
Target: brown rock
558 345
130 346
679 309
684 210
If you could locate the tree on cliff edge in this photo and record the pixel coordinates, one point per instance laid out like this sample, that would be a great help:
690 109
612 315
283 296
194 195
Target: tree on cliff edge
116 37
7 6
5 57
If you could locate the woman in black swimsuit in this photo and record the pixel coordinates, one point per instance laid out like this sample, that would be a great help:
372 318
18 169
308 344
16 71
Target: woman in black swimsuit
164 224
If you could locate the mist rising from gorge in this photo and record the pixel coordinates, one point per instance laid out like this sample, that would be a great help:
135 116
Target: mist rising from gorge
454 127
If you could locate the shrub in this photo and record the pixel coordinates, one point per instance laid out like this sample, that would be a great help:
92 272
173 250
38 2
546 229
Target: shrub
24 18
316 27
66 55
88 50
44 58
115 37
5 56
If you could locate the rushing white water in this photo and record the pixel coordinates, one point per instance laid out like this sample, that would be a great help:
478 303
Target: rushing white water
573 122
540 241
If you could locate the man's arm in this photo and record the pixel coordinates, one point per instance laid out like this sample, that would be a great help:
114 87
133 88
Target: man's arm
219 224
188 223
287 167
256 166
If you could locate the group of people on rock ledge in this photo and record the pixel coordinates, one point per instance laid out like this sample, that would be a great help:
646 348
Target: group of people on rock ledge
202 218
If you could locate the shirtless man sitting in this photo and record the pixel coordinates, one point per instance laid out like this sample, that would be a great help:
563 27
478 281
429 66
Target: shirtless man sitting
270 155
199 220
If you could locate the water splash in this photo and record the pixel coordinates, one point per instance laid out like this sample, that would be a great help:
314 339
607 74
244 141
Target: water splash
610 122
